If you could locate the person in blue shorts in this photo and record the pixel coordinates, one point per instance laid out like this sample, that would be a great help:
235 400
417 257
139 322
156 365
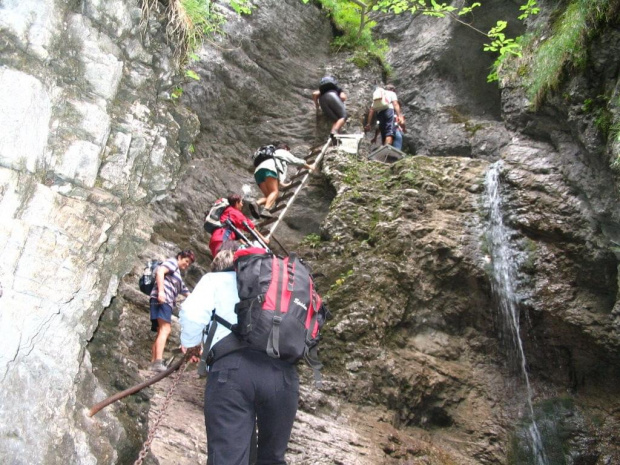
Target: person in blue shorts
388 112
168 285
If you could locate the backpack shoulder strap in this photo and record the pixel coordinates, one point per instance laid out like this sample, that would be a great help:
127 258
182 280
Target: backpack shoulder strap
273 342
209 330
311 356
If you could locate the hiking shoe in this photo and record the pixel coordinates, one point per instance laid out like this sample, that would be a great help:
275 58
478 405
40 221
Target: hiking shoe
254 209
158 366
333 138
266 213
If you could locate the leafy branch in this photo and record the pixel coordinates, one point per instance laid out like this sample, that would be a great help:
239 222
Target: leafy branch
500 44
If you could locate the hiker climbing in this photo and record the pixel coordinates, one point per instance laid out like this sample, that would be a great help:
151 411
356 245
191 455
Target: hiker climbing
167 286
388 112
270 174
398 136
252 377
230 210
330 97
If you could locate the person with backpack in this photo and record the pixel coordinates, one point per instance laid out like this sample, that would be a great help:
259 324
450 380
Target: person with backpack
330 97
397 143
245 386
385 105
233 213
168 285
270 174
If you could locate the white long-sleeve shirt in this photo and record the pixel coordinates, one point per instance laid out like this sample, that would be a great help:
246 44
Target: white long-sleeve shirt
279 163
214 290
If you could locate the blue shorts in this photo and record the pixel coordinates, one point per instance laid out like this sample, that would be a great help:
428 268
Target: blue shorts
159 311
398 139
261 175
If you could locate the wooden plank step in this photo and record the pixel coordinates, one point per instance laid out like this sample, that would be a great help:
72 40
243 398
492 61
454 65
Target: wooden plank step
293 185
267 221
284 197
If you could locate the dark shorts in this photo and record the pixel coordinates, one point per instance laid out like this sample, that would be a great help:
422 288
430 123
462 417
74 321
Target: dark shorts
163 311
332 106
261 175
386 123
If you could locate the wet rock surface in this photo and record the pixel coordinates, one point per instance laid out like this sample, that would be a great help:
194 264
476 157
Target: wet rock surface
112 172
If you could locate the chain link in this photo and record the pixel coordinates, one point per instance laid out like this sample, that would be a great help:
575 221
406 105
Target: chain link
147 444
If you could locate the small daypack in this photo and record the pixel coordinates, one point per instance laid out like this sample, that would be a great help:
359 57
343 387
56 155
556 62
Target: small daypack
380 100
147 280
212 218
279 311
262 154
327 83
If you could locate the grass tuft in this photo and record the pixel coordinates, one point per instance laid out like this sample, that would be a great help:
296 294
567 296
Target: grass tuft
566 47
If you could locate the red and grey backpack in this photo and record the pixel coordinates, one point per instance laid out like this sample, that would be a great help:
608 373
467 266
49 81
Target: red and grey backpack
280 311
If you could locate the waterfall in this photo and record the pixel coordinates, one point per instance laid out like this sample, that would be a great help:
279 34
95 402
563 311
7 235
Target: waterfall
504 262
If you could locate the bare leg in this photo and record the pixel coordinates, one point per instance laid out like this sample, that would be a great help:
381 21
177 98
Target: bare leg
389 140
337 125
265 190
160 341
272 186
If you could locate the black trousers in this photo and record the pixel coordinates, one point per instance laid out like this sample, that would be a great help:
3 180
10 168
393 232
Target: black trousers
245 387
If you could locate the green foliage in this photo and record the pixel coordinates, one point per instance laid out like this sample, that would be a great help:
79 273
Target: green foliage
567 45
340 281
350 19
615 137
603 121
192 75
352 175
530 8
200 20
311 240
503 45
425 7
176 93
241 7
190 22
564 46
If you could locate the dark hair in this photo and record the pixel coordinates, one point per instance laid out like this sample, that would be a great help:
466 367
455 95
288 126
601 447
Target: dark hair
281 145
187 254
233 199
390 87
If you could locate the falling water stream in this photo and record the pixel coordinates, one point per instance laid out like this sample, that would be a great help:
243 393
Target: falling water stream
504 273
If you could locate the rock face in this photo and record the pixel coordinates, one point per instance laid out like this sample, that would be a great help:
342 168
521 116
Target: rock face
101 170
85 145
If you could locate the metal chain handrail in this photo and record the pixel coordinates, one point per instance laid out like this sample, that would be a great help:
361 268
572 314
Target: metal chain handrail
149 439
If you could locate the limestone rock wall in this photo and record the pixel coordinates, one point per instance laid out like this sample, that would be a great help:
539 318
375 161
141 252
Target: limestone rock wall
100 170
86 143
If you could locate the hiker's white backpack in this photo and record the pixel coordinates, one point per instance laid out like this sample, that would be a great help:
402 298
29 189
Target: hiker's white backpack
380 99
